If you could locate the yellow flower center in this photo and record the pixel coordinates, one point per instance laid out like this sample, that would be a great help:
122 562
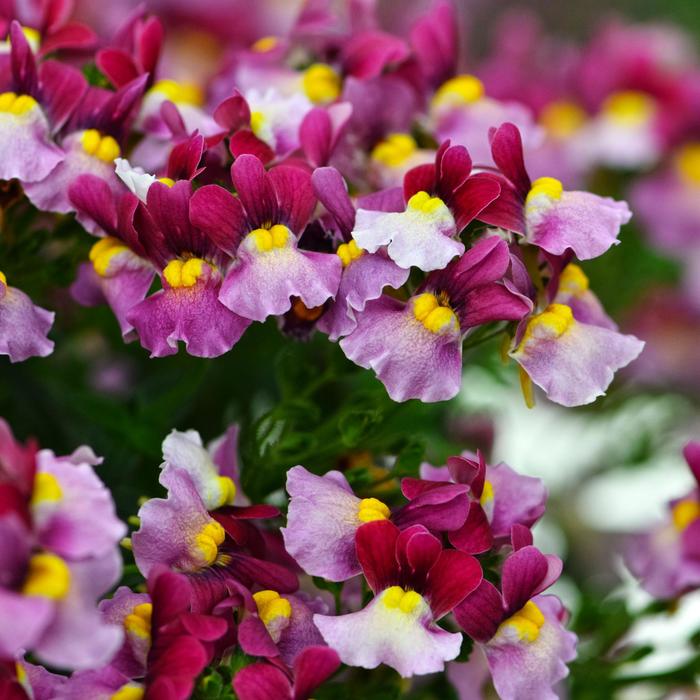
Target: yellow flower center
688 163
228 491
562 118
526 623
629 108
48 576
548 187
46 489
167 181
207 541
321 83
435 317
348 252
573 280
103 251
138 621
684 513
15 104
265 44
394 150
180 93
3 279
130 691
266 239
487 494
103 147
257 122
422 201
271 606
179 273
397 598
370 509
461 90
552 323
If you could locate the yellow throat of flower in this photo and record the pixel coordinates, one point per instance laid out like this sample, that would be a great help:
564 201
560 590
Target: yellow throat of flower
573 280
271 606
548 187
394 150
370 509
401 600
103 147
347 252
629 108
138 621
552 323
685 513
461 90
525 624
687 162
180 93
184 273
130 691
436 317
265 44
103 251
208 540
267 239
18 105
562 118
46 489
321 83
48 576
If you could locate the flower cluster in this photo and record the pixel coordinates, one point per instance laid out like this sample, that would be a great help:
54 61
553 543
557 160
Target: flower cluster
398 232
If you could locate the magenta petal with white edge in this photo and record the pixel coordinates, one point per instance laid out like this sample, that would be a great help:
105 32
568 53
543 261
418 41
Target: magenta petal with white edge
193 315
321 523
28 153
578 221
527 670
363 280
573 362
415 238
263 283
406 641
411 361
23 326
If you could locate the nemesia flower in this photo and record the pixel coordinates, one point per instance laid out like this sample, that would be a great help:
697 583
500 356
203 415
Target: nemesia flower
441 199
23 325
261 228
415 583
324 516
261 681
415 347
520 632
667 558
60 534
547 216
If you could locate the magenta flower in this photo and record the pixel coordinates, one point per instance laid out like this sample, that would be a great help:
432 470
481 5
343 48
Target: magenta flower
415 583
324 516
441 199
261 228
415 347
520 632
667 559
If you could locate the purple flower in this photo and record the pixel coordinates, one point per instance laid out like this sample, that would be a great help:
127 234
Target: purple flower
521 632
415 583
415 347
667 559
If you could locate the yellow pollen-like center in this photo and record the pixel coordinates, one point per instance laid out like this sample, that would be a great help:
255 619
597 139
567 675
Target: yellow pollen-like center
48 576
461 90
687 162
371 509
347 252
629 107
130 691
103 147
183 93
18 105
527 622
549 187
684 513
167 181
266 239
46 489
271 606
394 150
397 598
553 322
435 317
257 121
103 251
321 83
562 118
526 387
228 490
265 44
573 280
179 273
138 622
486 494
208 541
3 278
422 201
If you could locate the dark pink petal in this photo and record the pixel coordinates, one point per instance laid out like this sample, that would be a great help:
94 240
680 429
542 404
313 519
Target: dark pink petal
411 488
691 452
486 261
220 215
368 53
453 168
149 44
295 196
254 638
472 197
315 136
690 539
262 682
481 612
434 41
91 195
526 573
245 142
375 543
115 113
54 14
256 512
174 121
465 471
117 65
506 211
493 302
422 178
183 659
474 537
388 200
23 64
416 550
520 536
452 578
507 152
233 113
255 190
313 666
331 191
62 88
185 158
71 36
441 508
170 593
266 574
208 628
